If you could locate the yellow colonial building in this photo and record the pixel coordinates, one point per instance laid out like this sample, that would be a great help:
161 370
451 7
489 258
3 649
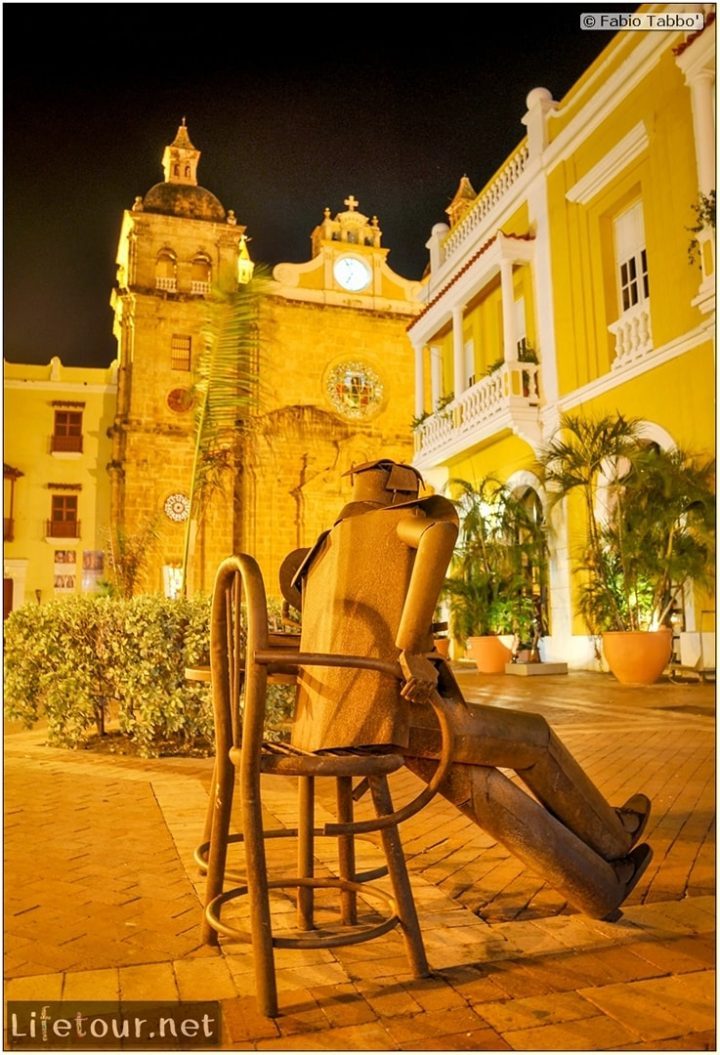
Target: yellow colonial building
565 284
56 488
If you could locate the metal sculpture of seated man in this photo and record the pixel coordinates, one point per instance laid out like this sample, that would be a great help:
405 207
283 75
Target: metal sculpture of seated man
369 586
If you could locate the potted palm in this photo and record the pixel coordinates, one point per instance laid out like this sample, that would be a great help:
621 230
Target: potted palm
649 517
490 585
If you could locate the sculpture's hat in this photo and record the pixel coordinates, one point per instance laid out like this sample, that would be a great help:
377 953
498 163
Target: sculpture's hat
400 477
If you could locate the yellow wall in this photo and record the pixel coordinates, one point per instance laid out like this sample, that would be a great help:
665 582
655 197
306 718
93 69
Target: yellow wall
505 456
653 397
583 264
29 423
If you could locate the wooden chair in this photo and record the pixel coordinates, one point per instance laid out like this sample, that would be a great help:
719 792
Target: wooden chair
242 658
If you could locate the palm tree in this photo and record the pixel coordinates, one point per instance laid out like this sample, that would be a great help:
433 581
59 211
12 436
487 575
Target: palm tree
580 454
662 527
130 554
656 531
224 393
500 541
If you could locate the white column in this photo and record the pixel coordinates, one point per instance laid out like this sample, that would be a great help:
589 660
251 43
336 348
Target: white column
540 103
508 311
458 351
419 381
702 92
436 374
434 244
544 295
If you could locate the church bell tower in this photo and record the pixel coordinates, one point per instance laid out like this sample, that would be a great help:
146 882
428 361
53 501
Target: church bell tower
177 244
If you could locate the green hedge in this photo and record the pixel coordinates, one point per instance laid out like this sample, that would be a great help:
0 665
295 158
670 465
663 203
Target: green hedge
78 660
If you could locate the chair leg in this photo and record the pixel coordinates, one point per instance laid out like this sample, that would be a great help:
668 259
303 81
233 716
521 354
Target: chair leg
207 828
306 862
217 829
259 898
400 881
346 850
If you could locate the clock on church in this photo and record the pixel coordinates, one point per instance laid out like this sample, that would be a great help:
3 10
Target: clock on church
352 273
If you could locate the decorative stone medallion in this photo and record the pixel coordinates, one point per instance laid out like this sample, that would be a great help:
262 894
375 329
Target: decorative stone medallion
177 507
354 389
180 400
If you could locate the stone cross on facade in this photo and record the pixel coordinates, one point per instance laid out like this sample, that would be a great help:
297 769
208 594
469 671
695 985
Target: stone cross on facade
351 202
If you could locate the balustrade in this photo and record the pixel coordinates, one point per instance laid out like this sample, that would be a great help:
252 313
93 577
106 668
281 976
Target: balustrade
495 191
511 386
633 335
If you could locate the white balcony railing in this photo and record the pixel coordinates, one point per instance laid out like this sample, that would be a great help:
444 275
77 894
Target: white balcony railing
488 199
513 387
199 289
633 335
169 285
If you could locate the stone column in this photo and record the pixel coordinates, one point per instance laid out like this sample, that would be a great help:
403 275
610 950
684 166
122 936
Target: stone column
434 244
458 351
508 311
702 93
436 374
419 381
540 104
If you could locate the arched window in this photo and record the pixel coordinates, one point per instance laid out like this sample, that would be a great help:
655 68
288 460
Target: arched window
200 275
165 271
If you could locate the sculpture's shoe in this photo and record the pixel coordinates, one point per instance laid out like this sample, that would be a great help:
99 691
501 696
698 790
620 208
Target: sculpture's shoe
634 816
629 871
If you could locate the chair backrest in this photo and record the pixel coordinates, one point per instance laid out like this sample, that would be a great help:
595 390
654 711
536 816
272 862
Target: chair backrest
241 661
238 629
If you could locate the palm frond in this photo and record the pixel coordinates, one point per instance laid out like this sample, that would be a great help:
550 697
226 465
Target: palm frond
225 391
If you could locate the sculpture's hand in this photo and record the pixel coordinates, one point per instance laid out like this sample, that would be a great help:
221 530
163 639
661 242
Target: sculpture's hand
420 677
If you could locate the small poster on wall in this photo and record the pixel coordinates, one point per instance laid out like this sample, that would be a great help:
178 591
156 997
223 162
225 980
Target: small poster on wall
64 571
93 567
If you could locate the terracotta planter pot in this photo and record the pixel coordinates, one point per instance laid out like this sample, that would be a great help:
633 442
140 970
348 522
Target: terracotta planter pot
637 657
442 645
490 653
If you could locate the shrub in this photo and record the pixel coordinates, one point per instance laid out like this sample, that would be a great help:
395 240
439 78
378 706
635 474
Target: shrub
156 704
58 664
75 660
70 660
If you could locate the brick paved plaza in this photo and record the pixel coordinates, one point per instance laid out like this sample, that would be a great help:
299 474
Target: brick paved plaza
102 897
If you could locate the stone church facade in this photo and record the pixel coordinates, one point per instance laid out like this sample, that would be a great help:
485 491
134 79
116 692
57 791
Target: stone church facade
333 369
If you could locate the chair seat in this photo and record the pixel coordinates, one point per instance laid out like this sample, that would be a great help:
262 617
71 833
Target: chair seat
290 761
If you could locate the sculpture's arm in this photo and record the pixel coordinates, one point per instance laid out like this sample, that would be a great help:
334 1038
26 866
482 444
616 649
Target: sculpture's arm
434 541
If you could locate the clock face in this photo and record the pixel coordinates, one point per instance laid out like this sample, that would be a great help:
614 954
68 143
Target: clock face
352 274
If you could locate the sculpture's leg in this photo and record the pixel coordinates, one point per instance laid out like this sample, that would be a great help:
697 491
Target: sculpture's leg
590 883
495 736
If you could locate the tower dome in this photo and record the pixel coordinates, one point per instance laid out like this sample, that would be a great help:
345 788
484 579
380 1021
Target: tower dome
180 194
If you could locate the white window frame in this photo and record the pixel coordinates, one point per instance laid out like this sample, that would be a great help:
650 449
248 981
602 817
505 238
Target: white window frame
631 269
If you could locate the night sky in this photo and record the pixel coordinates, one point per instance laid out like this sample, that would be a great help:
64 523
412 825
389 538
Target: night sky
94 92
